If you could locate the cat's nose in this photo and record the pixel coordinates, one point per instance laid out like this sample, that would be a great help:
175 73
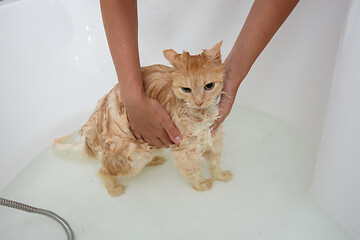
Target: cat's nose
199 103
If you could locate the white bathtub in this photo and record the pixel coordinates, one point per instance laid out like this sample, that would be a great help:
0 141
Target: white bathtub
55 65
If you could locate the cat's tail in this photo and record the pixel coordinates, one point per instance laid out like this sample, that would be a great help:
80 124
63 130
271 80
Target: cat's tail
63 144
66 146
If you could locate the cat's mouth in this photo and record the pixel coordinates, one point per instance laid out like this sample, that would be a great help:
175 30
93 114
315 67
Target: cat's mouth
210 104
204 106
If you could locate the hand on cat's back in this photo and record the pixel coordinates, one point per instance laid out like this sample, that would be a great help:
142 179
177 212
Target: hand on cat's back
150 121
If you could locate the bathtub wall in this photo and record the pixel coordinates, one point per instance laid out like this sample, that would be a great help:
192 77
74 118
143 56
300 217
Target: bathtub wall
55 64
337 175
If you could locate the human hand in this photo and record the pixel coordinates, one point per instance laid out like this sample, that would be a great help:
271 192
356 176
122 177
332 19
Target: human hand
231 85
150 121
225 105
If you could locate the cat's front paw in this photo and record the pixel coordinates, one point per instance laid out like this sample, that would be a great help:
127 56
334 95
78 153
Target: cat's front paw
204 185
224 176
116 190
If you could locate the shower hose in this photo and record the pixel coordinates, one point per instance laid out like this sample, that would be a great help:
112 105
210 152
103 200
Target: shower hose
30 209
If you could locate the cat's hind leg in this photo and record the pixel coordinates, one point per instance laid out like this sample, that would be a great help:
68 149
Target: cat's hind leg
111 167
111 183
189 162
212 156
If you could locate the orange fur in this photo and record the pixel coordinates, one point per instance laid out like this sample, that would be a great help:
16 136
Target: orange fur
107 131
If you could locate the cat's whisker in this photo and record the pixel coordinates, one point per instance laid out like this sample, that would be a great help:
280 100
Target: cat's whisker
226 100
226 94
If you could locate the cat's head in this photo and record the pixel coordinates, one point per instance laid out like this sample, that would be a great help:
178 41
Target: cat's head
197 79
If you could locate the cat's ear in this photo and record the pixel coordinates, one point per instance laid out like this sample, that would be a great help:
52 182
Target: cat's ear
171 56
214 54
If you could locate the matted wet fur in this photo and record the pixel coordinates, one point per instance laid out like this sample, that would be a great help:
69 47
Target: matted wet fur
193 111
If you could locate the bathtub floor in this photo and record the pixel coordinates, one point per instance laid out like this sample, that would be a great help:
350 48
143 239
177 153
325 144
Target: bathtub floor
268 197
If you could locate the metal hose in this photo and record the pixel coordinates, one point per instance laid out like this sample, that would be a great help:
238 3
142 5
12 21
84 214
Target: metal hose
30 209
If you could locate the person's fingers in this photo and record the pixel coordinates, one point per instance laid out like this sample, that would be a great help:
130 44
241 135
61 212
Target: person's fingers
148 140
216 125
172 131
135 133
224 110
157 143
156 128
165 138
163 144
151 138
137 136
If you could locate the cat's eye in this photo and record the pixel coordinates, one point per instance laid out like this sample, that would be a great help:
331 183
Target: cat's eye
209 86
186 89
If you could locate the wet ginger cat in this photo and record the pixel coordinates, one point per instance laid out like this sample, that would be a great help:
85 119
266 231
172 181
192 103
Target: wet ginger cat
190 91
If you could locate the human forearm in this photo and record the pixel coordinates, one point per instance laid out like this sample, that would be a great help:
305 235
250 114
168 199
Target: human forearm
148 120
263 21
121 27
